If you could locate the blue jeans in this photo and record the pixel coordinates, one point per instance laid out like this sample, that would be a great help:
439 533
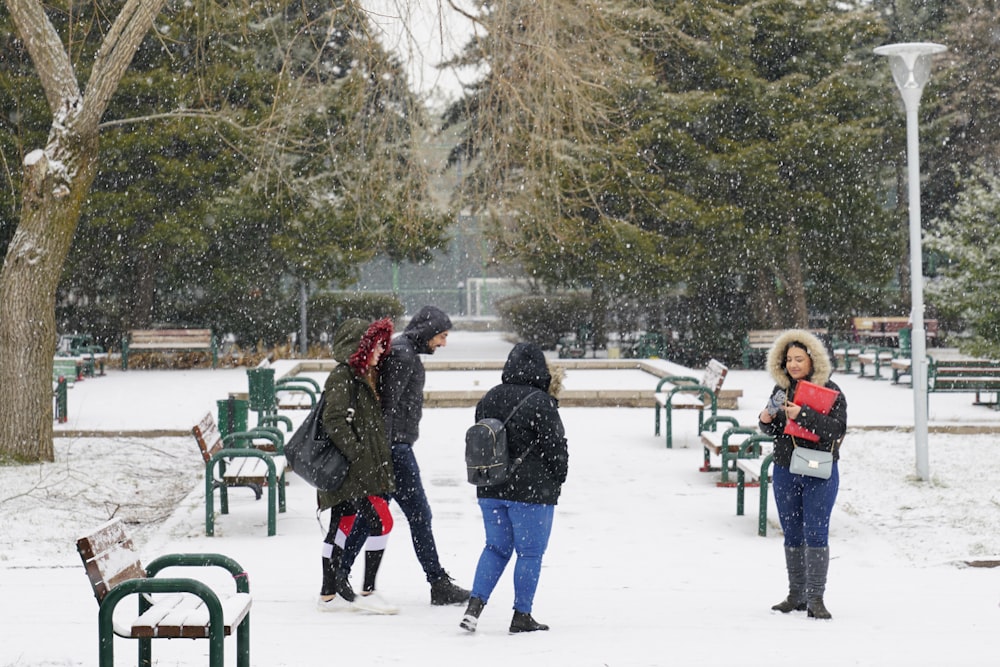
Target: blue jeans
512 526
805 505
413 501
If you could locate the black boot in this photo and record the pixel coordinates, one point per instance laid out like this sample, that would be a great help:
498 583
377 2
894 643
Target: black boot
472 612
795 563
523 622
445 591
817 565
342 587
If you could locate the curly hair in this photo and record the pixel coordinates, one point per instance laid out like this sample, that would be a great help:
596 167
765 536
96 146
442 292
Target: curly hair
380 331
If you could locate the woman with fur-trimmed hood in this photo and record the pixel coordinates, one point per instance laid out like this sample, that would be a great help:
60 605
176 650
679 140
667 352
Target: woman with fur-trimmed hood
804 503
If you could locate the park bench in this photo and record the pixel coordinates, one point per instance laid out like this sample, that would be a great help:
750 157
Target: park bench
688 393
900 367
169 340
574 346
751 471
845 354
730 445
876 358
169 607
89 356
758 342
966 376
885 331
239 463
66 367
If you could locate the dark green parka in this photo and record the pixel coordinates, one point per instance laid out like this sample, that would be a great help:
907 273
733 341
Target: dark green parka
364 441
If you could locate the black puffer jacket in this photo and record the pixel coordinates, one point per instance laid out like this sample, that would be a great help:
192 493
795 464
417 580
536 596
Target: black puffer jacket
831 427
536 424
401 380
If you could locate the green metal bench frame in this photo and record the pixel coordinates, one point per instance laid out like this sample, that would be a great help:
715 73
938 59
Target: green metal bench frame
109 547
764 479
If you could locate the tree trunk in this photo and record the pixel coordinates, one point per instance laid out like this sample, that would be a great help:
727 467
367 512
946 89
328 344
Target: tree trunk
28 282
56 182
796 281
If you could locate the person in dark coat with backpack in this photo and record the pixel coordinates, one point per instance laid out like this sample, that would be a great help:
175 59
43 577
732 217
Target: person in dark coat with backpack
352 418
518 513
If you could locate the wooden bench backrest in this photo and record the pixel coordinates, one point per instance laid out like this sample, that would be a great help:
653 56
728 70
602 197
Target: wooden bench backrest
715 375
109 557
192 336
763 336
206 432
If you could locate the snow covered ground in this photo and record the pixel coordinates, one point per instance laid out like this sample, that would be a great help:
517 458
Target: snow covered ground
648 563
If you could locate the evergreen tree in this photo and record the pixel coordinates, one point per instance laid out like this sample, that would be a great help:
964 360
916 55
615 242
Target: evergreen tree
966 291
766 141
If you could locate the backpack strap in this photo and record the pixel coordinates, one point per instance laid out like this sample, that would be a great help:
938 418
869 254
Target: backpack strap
518 406
520 459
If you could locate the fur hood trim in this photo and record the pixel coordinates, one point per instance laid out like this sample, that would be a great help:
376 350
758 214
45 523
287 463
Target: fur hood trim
822 368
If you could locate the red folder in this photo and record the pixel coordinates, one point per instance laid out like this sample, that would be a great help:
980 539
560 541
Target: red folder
816 397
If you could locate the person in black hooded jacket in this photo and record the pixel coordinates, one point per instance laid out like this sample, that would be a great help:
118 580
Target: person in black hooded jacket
518 513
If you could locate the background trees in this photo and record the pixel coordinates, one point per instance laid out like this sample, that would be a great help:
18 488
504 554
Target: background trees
274 136
728 165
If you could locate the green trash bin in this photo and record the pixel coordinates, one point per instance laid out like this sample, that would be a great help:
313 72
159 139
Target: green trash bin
232 415
261 390
904 341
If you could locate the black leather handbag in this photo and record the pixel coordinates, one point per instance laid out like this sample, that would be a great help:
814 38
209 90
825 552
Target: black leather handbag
311 454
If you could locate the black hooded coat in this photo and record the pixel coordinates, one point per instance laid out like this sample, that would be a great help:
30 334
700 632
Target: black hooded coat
402 376
536 425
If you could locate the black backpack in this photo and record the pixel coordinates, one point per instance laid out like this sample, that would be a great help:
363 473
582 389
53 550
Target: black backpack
487 458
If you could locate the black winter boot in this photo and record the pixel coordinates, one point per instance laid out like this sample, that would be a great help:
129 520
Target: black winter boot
523 622
817 565
446 591
472 612
342 587
795 563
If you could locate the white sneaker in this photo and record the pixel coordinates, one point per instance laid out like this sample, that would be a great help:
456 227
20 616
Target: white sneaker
336 603
373 603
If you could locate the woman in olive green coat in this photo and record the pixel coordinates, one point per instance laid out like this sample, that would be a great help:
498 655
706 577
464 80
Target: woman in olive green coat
353 421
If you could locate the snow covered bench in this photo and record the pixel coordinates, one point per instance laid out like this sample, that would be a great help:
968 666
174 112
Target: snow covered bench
749 472
731 445
844 354
965 376
900 367
688 393
169 607
877 357
240 465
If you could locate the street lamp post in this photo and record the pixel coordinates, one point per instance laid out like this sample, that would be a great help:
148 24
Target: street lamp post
911 67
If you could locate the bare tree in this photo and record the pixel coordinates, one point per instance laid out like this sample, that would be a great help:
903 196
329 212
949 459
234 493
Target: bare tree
56 181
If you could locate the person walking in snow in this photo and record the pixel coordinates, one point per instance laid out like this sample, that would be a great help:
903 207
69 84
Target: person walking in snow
401 390
518 513
804 503
352 418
